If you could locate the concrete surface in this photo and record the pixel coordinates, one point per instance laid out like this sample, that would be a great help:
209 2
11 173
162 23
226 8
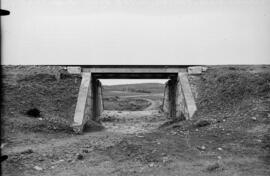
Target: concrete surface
196 70
187 94
83 111
74 70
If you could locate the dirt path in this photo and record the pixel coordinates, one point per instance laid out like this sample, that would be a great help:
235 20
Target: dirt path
46 153
136 94
133 144
142 95
133 122
130 144
154 105
50 145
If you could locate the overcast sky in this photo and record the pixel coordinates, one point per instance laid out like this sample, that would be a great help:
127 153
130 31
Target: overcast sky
136 32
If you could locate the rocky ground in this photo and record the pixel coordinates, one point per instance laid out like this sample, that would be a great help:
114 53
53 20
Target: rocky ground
229 135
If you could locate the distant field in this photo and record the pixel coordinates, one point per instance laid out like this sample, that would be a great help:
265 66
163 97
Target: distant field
131 96
137 88
125 104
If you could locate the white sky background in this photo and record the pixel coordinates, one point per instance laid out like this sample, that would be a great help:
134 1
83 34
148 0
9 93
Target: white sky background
155 32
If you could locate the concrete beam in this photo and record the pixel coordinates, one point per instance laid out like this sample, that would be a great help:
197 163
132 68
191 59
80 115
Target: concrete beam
74 70
186 95
196 70
134 70
134 75
83 111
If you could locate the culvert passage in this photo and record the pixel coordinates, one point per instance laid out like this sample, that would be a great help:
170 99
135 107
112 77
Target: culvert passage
133 108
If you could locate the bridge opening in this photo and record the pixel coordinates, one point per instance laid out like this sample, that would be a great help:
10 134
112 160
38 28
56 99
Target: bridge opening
132 94
177 99
132 105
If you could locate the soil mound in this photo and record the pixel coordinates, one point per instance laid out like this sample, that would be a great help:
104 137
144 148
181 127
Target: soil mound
223 89
38 91
50 96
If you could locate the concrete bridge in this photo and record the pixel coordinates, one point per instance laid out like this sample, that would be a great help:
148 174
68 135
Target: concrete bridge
178 101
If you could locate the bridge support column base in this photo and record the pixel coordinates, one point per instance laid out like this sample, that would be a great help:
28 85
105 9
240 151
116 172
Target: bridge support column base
98 101
185 103
84 106
168 105
78 129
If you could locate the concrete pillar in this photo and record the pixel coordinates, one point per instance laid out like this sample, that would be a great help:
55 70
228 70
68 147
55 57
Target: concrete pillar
166 100
100 99
98 103
185 103
168 105
84 107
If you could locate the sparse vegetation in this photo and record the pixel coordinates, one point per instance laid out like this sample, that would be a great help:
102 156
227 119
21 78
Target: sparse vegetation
140 88
128 104
226 88
136 90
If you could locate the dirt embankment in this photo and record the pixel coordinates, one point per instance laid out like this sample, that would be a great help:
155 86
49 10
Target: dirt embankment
228 88
237 98
52 96
236 102
48 90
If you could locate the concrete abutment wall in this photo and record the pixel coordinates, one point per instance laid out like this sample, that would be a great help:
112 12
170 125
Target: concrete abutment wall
186 102
169 105
89 103
178 101
98 101
84 109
